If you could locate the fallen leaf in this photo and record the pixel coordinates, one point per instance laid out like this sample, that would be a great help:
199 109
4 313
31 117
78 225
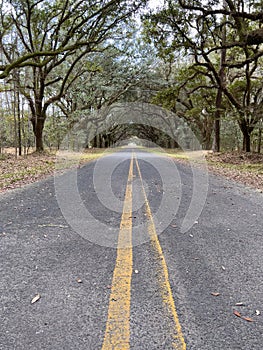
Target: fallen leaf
238 314
248 319
215 294
79 280
35 299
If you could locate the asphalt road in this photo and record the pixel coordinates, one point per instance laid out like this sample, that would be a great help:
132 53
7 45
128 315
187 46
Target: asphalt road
121 259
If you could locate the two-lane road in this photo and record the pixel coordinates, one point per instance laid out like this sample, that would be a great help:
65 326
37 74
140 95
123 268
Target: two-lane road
104 248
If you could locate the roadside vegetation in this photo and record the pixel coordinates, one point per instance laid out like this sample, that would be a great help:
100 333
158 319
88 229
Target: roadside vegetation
22 170
80 73
243 167
201 63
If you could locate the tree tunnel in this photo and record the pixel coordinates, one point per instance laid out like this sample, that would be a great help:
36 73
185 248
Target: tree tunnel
144 135
144 124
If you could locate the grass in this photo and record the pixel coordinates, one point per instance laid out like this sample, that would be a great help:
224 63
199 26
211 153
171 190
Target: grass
249 168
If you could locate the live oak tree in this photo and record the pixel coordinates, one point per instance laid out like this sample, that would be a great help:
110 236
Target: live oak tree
204 31
46 38
143 133
118 74
190 95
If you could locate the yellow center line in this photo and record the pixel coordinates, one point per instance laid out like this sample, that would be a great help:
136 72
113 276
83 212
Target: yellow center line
117 333
163 275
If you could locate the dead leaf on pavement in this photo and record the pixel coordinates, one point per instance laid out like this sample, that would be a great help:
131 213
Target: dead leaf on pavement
247 319
238 314
35 299
215 294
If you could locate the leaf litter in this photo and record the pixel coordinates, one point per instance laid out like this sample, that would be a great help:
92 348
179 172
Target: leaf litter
22 170
238 314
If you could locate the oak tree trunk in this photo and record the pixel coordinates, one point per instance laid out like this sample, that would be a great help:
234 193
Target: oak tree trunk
259 140
246 131
219 96
38 126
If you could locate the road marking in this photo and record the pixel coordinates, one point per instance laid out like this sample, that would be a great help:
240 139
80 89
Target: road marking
117 333
163 275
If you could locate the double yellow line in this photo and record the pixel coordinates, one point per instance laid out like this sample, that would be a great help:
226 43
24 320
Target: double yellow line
117 333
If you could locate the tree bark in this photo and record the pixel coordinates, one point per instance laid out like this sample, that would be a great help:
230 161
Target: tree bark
216 145
38 126
219 96
19 125
246 131
259 140
246 142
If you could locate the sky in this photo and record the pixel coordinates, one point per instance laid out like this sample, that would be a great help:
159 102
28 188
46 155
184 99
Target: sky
155 3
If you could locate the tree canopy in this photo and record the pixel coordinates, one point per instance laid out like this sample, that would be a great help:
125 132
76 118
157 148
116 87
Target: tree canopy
202 60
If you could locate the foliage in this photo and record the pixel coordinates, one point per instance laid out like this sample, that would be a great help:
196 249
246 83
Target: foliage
61 61
50 40
199 32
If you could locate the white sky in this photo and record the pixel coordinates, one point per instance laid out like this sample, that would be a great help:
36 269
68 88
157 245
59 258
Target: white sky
155 3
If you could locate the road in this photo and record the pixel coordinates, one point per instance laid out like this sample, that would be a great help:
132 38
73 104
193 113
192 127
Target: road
116 265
